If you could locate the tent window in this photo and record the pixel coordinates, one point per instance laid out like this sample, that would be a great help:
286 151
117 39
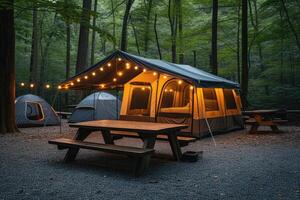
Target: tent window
210 99
229 99
34 111
176 97
140 101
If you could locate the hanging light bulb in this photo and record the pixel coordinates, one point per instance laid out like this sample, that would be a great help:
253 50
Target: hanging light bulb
66 87
78 80
22 84
143 88
154 73
102 85
120 73
101 69
166 90
114 79
179 82
72 83
86 77
47 86
136 67
31 85
144 70
94 73
191 87
165 77
59 87
109 64
119 59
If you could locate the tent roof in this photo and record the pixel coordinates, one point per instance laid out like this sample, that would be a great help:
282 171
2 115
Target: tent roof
199 77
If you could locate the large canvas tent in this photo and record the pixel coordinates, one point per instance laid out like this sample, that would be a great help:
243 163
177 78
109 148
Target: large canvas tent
32 110
160 91
96 106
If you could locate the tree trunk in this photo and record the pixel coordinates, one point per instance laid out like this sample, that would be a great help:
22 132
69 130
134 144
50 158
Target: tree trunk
123 45
83 42
238 43
94 33
180 32
147 24
68 54
214 38
281 46
136 39
156 37
33 70
172 10
195 58
244 81
114 21
7 75
290 23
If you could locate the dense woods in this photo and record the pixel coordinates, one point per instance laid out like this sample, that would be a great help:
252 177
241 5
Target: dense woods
254 42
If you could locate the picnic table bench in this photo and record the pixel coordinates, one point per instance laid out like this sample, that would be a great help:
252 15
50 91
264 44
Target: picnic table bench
147 131
263 118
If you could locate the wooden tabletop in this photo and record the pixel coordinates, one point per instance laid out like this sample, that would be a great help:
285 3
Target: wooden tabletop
133 126
252 112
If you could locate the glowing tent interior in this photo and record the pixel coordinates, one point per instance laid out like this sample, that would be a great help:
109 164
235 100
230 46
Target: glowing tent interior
160 91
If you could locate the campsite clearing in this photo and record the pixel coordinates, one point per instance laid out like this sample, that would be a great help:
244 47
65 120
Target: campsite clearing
241 166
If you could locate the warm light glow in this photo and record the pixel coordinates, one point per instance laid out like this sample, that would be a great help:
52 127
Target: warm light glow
94 73
143 88
109 64
59 87
165 77
179 82
191 87
166 90
31 85
144 70
47 86
171 90
101 69
119 59
78 80
86 77
102 85
114 79
66 87
154 73
22 84
120 73
72 83
136 67
127 65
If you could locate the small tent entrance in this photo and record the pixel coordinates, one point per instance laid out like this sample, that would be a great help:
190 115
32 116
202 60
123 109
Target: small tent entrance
175 105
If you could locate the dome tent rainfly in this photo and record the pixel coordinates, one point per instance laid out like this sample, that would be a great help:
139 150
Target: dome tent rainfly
32 110
160 91
96 106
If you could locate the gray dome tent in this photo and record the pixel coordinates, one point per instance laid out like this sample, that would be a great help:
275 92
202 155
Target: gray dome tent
32 110
97 106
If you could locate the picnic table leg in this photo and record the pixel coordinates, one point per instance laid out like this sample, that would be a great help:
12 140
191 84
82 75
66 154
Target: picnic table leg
72 152
175 146
143 162
107 137
253 128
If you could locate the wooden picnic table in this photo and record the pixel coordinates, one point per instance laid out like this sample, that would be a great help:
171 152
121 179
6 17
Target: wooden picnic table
147 131
263 118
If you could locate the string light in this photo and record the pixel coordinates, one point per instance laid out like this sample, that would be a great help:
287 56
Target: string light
119 59
165 77
86 77
109 64
166 90
114 79
102 85
72 83
59 87
94 73
171 90
120 73
143 88
47 86
78 80
101 69
31 85
179 82
66 87
154 73
136 67
144 70
22 84
191 87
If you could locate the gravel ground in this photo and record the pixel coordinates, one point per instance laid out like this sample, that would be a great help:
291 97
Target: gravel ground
241 166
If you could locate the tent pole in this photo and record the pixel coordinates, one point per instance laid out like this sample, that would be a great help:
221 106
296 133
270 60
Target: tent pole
60 111
156 106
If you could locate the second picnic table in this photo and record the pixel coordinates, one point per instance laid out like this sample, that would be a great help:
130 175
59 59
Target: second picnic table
263 118
147 131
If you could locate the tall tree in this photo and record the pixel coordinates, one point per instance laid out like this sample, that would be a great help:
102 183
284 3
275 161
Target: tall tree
244 81
114 21
147 24
94 33
214 38
156 37
33 69
173 17
83 42
7 64
123 45
238 70
180 31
